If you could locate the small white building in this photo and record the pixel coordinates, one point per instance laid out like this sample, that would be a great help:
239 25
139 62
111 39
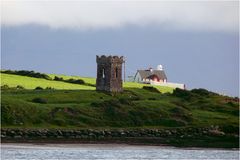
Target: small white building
155 77
151 75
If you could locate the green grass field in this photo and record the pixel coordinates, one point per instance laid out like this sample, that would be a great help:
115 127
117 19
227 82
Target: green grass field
88 108
73 105
32 83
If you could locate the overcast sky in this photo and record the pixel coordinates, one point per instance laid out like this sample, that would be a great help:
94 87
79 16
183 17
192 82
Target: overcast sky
197 42
206 15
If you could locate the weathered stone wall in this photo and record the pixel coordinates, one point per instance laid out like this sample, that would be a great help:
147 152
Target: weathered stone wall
107 133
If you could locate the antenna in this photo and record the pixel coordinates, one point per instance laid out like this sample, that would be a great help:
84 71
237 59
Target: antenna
124 65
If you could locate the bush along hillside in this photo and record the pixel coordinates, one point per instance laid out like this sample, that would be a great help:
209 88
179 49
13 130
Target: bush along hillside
28 73
72 80
45 76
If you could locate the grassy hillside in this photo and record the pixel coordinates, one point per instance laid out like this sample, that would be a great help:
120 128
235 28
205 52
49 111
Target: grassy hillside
135 107
79 106
31 83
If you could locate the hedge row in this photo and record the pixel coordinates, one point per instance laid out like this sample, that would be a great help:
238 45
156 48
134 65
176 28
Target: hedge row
28 73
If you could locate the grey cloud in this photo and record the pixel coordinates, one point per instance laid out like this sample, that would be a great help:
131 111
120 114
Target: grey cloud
213 15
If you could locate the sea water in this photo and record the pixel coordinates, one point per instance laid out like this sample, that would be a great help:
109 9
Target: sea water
109 152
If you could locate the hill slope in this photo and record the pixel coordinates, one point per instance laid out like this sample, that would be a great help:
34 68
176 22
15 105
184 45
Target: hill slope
80 106
133 108
31 83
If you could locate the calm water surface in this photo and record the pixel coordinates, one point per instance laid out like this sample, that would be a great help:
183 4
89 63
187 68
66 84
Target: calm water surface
108 151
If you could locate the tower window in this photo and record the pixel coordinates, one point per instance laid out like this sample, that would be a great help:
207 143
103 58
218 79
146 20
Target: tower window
103 73
116 73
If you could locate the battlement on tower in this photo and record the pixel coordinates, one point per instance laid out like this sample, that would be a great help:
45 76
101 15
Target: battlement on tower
109 59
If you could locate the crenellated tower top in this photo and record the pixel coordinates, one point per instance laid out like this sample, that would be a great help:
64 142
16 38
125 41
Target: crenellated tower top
107 59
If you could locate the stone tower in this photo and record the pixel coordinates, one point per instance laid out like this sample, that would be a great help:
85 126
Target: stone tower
109 73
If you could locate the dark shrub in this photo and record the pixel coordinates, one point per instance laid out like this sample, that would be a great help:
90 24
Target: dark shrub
230 129
152 98
49 88
95 104
177 110
39 100
19 87
28 73
201 91
56 78
126 101
151 88
181 113
110 110
71 80
136 118
231 104
107 103
184 94
5 87
75 81
113 102
135 98
59 122
39 88
79 81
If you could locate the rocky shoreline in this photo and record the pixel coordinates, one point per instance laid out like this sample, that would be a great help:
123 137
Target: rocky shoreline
19 133
172 136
